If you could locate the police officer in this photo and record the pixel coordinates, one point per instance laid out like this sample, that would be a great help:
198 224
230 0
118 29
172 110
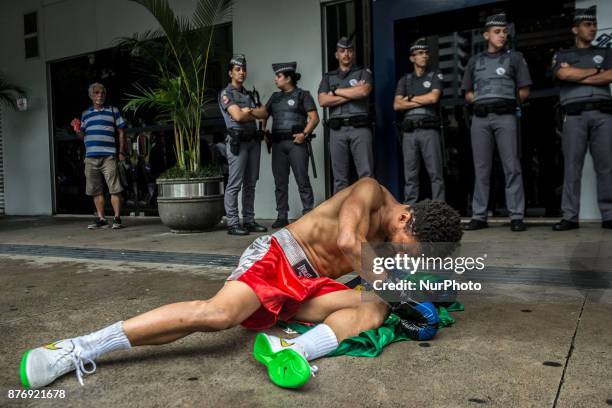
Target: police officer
417 95
295 117
495 81
240 111
345 91
585 74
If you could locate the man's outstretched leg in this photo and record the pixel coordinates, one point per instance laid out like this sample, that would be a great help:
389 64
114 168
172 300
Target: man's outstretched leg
229 307
343 314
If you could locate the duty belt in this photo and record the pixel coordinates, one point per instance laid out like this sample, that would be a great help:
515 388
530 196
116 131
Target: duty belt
410 125
499 108
280 136
577 108
354 121
243 135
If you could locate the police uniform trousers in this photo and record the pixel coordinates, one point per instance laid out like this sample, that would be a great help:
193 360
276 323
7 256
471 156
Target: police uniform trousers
243 173
285 155
591 128
487 132
346 142
425 142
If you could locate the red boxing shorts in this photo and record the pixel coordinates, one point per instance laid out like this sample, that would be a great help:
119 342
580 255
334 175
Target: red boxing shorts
277 270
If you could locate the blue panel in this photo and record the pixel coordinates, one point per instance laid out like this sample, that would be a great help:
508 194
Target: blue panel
384 15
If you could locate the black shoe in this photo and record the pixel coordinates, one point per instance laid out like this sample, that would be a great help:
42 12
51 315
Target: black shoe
237 230
474 225
565 225
254 227
606 224
98 223
117 223
517 225
280 223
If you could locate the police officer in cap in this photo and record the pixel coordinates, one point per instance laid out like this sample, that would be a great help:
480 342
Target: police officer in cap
417 95
495 82
585 74
295 117
345 91
240 110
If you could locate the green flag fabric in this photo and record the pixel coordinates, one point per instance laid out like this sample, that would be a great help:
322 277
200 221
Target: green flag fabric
370 343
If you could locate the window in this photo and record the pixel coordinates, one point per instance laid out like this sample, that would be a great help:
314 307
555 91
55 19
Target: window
30 33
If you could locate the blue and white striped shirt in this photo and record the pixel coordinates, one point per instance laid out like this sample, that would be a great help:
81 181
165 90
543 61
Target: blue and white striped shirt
99 129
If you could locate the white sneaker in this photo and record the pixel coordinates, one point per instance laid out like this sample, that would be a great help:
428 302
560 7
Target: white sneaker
43 365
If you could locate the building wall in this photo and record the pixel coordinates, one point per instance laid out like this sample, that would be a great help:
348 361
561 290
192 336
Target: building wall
72 27
65 28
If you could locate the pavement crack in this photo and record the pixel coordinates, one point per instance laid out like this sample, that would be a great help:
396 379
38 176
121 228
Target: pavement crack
570 351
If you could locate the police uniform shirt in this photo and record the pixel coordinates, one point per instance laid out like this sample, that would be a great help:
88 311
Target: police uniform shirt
231 96
519 70
591 57
413 85
365 75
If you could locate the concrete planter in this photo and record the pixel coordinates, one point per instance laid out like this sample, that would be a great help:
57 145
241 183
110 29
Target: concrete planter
190 205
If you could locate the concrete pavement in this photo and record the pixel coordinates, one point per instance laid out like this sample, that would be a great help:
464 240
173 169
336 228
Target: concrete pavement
516 344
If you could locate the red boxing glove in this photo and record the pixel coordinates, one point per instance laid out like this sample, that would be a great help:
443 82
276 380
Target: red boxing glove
76 125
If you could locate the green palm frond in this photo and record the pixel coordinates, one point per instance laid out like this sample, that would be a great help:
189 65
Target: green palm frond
180 52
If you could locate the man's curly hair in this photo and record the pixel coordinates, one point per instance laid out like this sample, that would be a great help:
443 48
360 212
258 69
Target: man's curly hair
436 226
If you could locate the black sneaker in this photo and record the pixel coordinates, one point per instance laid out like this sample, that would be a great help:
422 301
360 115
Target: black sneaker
606 224
117 223
517 225
237 230
254 227
98 223
280 223
565 225
474 225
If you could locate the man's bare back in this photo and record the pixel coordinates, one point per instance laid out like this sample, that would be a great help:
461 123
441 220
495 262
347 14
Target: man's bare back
318 231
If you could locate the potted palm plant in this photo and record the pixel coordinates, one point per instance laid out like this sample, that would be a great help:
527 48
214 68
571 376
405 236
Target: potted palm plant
190 195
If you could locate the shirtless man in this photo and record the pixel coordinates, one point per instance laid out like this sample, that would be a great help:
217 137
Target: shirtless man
289 275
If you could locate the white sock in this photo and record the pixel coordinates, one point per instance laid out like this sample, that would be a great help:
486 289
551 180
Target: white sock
103 341
318 341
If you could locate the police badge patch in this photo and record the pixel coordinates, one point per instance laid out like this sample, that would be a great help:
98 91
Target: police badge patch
290 102
500 71
224 98
598 59
440 76
353 82
427 84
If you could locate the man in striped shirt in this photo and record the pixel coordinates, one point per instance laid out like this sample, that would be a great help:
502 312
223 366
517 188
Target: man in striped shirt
97 127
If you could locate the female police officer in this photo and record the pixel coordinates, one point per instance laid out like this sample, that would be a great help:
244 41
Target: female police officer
295 117
240 110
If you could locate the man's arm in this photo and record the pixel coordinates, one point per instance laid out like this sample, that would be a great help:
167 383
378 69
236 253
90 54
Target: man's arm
401 103
359 91
572 74
354 222
523 93
603 78
122 144
328 100
469 96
